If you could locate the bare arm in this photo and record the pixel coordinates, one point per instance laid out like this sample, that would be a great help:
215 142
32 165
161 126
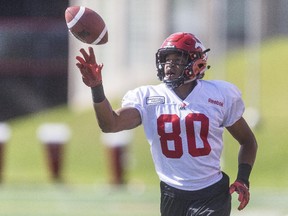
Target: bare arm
246 158
248 144
114 121
108 119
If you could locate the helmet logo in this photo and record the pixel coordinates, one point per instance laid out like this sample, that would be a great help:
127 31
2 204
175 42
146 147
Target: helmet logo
169 45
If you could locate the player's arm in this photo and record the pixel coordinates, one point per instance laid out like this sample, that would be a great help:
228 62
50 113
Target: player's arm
108 119
114 121
245 137
246 158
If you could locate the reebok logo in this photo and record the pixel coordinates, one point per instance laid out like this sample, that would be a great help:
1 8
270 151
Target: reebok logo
216 102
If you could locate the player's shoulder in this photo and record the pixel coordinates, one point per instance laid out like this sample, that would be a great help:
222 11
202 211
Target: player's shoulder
148 89
221 88
144 91
219 85
141 94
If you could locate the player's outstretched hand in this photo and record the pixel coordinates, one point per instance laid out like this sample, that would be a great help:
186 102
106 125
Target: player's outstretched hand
90 70
243 191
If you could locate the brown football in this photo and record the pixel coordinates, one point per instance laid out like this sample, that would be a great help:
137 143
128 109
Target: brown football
86 25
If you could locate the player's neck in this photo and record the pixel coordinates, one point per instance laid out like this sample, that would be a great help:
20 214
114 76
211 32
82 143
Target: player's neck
184 90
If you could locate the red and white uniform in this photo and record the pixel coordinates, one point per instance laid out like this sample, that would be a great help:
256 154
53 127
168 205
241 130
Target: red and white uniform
186 135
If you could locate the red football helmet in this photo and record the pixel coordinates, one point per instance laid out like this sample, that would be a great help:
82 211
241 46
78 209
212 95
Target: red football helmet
188 45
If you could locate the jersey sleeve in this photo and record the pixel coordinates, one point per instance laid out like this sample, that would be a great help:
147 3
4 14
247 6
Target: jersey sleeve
235 105
132 99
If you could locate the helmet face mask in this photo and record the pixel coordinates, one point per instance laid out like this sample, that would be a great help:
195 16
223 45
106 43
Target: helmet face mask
187 45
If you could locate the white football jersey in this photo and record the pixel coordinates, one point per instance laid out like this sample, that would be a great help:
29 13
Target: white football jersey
185 136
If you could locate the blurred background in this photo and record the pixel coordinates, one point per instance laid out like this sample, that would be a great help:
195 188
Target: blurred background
40 85
33 53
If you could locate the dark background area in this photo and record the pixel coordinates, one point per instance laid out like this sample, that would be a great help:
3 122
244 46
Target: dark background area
33 56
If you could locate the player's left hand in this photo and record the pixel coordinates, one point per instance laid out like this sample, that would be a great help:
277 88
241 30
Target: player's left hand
90 70
243 190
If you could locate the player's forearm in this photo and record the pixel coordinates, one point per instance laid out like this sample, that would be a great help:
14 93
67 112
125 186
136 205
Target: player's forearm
105 115
246 159
103 110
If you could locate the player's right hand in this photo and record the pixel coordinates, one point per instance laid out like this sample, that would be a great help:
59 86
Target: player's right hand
90 70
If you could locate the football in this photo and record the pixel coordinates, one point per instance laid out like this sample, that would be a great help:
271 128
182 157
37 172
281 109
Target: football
86 25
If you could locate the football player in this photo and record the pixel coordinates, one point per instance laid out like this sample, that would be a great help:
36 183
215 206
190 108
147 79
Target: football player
183 118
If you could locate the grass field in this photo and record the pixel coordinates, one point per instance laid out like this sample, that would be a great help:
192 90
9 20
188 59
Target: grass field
96 200
27 189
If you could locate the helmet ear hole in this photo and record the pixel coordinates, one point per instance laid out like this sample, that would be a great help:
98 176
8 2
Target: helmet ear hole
199 66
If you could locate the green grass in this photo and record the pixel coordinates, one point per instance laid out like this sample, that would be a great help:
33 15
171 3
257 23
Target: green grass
101 200
26 179
77 200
